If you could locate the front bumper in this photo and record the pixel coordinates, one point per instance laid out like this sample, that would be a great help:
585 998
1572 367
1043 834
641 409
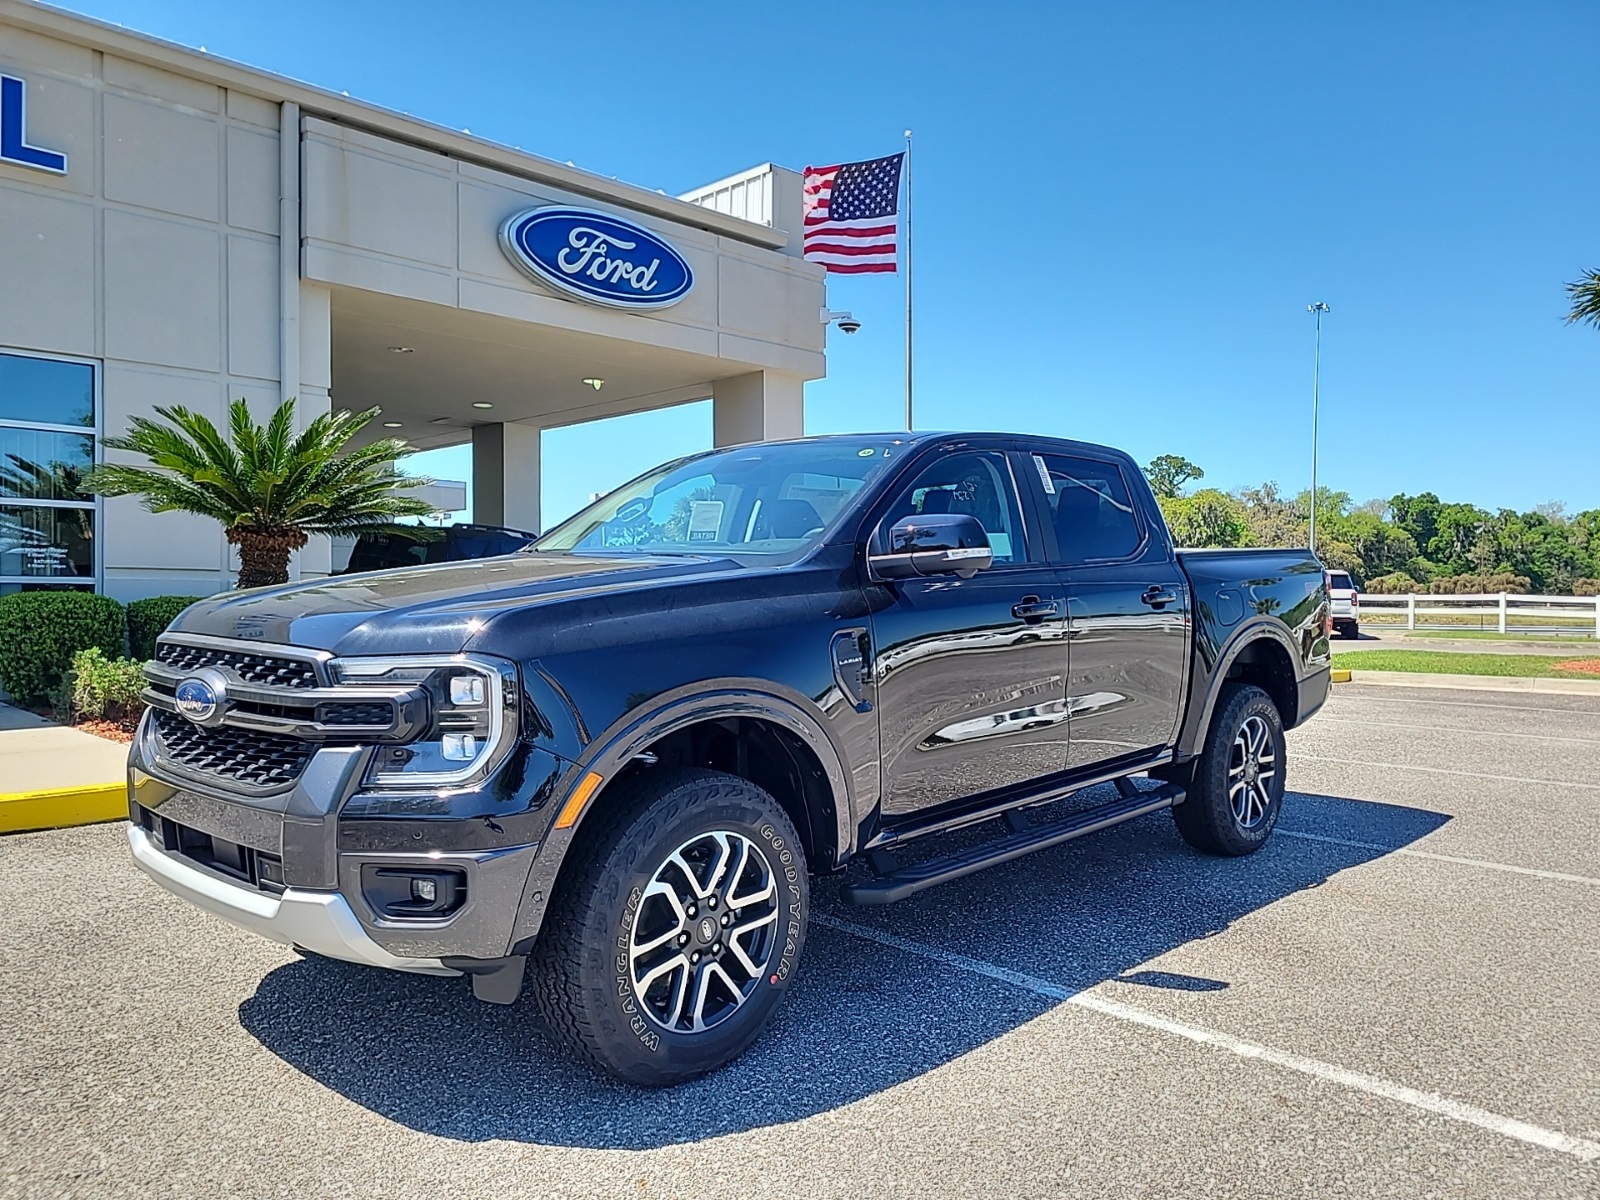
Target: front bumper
322 922
320 903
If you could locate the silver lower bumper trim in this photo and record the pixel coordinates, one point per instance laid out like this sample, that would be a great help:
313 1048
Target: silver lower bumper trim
321 922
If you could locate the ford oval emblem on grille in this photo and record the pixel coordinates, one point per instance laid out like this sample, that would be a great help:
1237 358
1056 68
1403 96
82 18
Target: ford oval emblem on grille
201 697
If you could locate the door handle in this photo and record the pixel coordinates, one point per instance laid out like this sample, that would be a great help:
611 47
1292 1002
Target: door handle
1156 596
1033 610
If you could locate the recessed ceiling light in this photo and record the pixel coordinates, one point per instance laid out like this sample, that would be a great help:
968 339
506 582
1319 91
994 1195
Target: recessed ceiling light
391 424
401 350
596 384
481 404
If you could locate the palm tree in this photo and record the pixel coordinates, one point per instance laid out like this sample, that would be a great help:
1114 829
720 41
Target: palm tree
1585 295
269 488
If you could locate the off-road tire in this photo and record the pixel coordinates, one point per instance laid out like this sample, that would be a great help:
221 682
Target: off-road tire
582 965
1207 818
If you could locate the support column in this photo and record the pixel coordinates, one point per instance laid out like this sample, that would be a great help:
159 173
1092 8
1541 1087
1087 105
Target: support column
505 475
762 406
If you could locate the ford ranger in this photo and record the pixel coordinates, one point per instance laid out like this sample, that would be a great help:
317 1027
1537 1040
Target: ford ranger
618 759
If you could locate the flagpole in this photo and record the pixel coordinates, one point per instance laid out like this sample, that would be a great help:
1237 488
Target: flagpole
907 176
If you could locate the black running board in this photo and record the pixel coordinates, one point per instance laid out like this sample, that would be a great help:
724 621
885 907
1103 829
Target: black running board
902 882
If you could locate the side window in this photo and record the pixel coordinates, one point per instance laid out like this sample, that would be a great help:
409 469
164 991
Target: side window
978 484
1089 502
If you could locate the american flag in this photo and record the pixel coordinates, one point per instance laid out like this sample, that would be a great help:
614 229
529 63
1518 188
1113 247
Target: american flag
850 212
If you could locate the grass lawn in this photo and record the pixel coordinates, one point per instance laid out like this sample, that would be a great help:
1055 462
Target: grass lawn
1482 622
1444 663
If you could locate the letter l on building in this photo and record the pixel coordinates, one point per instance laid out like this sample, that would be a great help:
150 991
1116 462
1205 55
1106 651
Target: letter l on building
14 146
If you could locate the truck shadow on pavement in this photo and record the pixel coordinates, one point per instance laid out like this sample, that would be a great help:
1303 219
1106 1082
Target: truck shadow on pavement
861 1016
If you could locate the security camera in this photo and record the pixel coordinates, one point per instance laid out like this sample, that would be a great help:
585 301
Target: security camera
845 321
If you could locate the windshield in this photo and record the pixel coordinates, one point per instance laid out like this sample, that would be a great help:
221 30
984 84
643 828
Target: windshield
773 500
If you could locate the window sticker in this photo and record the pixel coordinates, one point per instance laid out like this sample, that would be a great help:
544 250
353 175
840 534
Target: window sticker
1044 475
705 519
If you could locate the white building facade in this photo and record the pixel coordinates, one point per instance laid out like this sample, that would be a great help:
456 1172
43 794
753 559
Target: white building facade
180 230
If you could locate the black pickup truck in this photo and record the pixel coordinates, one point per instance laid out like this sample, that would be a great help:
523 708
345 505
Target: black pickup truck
627 751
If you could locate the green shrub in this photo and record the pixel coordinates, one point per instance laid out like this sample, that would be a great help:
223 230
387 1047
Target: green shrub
105 687
1396 583
41 631
148 620
1490 584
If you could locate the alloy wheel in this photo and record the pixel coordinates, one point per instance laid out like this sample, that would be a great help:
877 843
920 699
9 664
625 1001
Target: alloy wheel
1252 768
703 932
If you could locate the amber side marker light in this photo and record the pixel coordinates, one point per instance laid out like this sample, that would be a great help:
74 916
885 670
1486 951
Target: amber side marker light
575 802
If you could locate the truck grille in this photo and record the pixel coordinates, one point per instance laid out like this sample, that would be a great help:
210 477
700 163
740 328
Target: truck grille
381 715
248 666
263 760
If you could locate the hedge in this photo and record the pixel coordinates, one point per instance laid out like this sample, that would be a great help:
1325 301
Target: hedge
148 619
41 631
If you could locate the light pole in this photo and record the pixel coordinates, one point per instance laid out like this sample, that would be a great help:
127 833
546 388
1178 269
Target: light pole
1316 310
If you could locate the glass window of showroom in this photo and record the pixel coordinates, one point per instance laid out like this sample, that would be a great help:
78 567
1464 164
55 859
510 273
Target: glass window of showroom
47 425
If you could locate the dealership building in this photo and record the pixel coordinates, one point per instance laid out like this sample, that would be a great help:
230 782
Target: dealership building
179 229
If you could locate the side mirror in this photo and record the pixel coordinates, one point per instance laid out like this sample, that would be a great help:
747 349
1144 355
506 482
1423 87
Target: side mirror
935 544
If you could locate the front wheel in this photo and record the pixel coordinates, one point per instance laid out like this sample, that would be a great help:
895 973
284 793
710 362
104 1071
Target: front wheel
1237 789
666 954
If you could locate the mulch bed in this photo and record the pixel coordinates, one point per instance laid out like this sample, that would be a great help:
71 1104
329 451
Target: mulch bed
114 731
1579 666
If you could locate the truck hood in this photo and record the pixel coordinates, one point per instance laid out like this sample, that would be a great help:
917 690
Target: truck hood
434 609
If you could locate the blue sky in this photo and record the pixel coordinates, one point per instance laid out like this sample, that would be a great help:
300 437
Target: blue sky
1122 209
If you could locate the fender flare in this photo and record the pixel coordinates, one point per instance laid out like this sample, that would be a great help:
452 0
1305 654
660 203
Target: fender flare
667 713
1191 738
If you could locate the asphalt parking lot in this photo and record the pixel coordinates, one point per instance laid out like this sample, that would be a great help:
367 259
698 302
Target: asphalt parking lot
1399 996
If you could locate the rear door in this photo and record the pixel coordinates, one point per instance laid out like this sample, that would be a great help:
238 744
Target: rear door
970 673
1127 608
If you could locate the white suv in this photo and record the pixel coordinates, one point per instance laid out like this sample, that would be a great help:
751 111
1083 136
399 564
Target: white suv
1344 603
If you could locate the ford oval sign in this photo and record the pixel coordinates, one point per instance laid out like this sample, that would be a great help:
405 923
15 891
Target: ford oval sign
596 257
201 696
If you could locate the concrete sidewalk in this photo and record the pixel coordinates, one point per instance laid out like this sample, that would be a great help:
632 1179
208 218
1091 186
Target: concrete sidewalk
52 776
1388 637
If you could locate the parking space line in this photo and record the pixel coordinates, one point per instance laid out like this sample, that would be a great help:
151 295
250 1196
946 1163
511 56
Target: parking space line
1541 737
1362 762
1366 698
1432 1102
1559 876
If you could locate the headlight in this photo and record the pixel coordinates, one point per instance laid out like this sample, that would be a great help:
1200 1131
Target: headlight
472 700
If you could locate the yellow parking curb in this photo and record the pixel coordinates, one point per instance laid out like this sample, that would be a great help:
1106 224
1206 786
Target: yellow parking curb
1341 676
56 808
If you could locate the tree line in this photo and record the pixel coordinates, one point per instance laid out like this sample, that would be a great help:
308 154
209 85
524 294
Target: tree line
1404 544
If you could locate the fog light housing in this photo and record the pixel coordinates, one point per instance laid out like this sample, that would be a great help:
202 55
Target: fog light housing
413 893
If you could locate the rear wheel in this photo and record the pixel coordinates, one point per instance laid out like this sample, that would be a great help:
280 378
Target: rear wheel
667 954
1237 790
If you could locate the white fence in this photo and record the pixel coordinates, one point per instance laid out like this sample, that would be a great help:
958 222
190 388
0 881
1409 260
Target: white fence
1577 613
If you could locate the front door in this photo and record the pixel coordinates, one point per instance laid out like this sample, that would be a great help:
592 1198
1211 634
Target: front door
970 672
1127 616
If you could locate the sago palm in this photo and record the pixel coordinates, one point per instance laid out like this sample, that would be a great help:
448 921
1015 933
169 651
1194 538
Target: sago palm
269 487
1585 295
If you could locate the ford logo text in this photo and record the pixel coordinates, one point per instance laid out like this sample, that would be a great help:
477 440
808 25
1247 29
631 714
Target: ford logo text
202 697
596 257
